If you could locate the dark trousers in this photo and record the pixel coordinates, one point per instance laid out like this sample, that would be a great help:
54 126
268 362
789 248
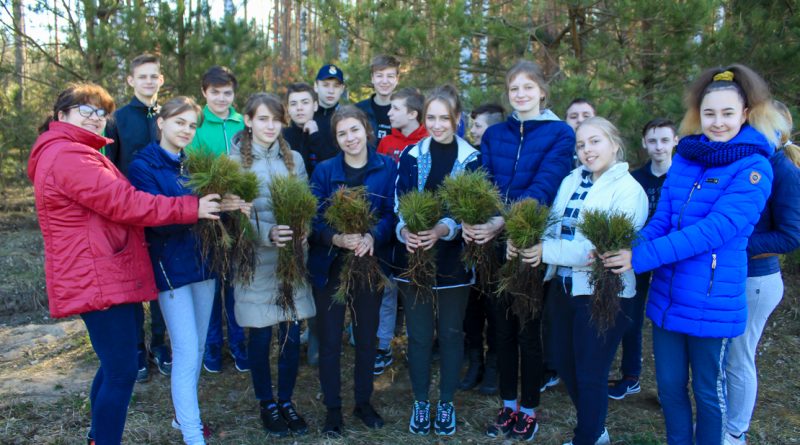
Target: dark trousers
235 332
364 304
421 319
519 354
113 336
582 357
479 313
258 348
631 364
158 328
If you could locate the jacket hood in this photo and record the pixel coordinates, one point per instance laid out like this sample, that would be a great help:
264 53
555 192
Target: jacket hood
209 116
545 115
156 156
62 132
416 135
259 151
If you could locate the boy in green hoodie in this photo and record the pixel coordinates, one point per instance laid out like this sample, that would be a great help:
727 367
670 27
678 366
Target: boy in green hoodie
220 123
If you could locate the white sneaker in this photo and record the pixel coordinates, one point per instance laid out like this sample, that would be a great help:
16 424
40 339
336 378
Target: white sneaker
604 438
730 439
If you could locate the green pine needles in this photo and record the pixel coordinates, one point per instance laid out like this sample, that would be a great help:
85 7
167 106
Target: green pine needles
471 198
421 211
349 212
608 231
228 243
526 222
293 205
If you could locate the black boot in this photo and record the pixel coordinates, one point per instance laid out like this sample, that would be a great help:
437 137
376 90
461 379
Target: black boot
474 373
489 385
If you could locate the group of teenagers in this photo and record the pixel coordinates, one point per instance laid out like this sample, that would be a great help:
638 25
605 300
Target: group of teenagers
714 207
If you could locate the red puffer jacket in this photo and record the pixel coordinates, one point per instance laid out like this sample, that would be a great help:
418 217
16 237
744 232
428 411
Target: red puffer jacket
93 221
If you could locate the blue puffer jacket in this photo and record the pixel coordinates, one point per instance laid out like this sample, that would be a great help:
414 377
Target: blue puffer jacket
696 242
528 159
326 179
174 249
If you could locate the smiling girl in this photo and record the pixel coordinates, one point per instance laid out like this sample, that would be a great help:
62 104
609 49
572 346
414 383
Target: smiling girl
696 244
583 356
186 286
356 165
261 149
423 167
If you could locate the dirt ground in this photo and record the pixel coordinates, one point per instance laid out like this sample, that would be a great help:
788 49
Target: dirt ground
46 367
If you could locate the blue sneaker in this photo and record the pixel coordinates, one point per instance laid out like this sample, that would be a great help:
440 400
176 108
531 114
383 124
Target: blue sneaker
420 422
445 423
142 373
239 355
161 356
624 387
383 359
212 359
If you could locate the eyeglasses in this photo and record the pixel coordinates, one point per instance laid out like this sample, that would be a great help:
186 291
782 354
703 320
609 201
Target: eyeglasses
88 110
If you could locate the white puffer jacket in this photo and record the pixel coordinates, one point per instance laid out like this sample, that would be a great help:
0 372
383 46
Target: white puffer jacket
615 190
256 302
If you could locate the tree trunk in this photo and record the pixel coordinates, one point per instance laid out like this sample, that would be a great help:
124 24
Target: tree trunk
19 53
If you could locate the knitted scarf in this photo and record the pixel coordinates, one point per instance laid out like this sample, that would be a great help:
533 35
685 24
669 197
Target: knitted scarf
699 149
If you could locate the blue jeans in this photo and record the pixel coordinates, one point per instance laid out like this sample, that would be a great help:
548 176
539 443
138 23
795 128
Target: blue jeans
388 316
187 310
258 348
631 364
675 355
113 336
582 357
235 332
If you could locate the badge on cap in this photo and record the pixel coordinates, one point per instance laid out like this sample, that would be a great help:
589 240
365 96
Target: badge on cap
332 70
755 177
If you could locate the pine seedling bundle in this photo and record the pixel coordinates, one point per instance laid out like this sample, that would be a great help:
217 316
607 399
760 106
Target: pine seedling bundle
608 231
293 205
471 198
421 211
209 173
526 222
349 212
245 242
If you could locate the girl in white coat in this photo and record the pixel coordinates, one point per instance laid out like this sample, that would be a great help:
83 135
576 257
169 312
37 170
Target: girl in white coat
582 355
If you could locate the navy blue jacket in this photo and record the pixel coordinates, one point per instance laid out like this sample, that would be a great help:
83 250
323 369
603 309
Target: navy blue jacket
778 230
696 241
412 174
327 147
326 179
133 127
528 159
174 249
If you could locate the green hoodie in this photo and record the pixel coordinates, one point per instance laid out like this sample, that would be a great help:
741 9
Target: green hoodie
216 134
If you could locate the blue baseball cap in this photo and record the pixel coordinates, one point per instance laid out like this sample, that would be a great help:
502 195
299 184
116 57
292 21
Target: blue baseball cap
330 72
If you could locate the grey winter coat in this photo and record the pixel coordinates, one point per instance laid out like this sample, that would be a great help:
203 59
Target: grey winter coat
256 302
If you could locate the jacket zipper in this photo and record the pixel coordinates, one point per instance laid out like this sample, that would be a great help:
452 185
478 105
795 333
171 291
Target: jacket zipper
516 160
696 186
664 314
713 269
164 271
225 135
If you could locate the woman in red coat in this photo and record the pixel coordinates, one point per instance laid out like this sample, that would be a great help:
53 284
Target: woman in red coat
96 260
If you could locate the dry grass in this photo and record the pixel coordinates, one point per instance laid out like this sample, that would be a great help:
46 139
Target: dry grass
228 405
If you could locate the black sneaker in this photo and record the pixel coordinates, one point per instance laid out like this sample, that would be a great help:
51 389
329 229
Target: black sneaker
550 379
525 427
420 422
273 423
383 358
368 415
445 423
506 419
162 358
624 387
142 373
297 425
333 423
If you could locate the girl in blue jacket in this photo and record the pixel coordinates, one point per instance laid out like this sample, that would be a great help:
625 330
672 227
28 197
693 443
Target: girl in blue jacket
527 157
696 244
185 284
777 232
423 167
356 165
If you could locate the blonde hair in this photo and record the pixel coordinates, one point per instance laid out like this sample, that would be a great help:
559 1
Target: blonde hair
609 130
751 88
791 151
275 106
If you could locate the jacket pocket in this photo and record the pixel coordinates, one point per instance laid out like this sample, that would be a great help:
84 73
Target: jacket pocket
713 270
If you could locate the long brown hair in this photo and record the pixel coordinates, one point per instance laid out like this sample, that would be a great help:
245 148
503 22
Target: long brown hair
448 95
80 94
275 106
753 91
